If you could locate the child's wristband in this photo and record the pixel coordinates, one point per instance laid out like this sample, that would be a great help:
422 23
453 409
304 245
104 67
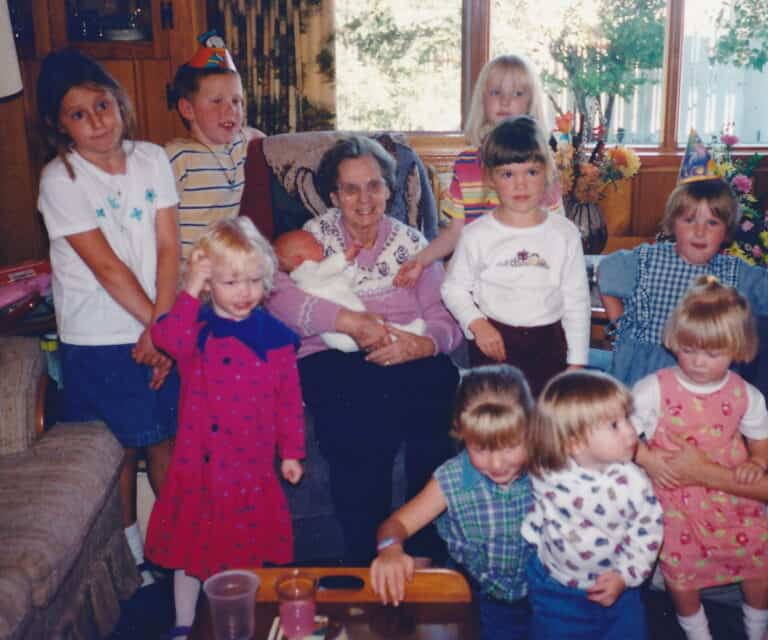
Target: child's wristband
386 543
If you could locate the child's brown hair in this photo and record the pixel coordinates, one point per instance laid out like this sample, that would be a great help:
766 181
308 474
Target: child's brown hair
493 406
186 83
64 70
514 141
571 404
716 193
713 316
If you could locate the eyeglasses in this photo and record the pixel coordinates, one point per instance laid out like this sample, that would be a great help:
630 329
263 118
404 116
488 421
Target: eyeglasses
373 188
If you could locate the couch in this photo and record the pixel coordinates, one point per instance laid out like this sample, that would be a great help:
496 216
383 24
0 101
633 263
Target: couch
280 195
64 560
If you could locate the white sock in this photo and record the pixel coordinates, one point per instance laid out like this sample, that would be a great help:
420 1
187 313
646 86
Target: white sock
133 535
755 621
185 592
695 626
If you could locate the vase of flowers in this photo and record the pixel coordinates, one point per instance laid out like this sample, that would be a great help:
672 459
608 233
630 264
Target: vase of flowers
750 242
585 175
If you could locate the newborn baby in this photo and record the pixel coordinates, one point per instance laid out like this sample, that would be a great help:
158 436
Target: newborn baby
332 278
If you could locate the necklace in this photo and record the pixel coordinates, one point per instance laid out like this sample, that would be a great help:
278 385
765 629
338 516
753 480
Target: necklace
230 179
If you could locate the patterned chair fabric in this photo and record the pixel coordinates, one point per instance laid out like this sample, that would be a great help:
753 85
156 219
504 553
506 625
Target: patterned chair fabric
280 193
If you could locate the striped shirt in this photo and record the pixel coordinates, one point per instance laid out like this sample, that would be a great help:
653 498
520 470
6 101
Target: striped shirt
469 197
210 183
481 527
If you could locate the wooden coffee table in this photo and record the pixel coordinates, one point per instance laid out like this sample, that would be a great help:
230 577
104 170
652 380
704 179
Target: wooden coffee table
441 608
368 621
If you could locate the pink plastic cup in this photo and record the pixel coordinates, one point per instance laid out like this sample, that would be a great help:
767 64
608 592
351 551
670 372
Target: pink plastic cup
232 595
296 594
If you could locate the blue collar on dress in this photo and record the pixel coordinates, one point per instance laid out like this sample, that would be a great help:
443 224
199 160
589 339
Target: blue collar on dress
260 331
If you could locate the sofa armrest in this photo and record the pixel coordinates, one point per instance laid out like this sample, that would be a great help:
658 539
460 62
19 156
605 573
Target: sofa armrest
22 365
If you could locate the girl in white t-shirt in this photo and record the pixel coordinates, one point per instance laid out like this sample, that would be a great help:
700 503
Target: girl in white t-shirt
109 205
517 283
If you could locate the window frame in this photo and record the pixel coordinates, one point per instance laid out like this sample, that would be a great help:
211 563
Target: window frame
440 147
475 50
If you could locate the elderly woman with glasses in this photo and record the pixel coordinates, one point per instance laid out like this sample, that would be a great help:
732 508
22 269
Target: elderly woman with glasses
398 387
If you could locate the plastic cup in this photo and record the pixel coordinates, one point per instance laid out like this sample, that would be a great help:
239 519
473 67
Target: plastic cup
296 595
232 595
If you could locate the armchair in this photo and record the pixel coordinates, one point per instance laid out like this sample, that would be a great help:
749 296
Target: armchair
64 558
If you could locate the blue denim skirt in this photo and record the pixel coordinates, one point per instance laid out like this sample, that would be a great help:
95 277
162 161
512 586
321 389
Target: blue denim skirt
105 383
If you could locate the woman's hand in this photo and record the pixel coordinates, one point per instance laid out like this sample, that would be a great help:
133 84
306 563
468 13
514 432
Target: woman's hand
408 275
365 328
390 572
401 346
488 339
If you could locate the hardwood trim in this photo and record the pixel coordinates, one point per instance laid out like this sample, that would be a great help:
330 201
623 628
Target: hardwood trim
673 51
57 16
428 585
42 33
475 47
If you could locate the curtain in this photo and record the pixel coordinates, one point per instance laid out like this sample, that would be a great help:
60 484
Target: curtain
284 51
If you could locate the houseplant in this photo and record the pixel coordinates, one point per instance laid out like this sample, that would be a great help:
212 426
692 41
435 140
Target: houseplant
585 175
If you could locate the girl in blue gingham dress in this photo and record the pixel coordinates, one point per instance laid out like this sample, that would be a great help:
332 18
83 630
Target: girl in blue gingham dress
641 287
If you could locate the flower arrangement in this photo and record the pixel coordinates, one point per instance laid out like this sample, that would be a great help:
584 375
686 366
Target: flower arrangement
750 242
586 173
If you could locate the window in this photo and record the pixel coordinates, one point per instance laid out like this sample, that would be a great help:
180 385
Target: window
617 45
402 65
398 65
713 94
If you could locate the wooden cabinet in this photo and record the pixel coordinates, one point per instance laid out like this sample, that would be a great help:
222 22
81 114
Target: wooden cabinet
140 42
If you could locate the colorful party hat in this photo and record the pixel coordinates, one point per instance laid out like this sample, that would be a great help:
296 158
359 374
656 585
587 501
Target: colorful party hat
697 162
212 53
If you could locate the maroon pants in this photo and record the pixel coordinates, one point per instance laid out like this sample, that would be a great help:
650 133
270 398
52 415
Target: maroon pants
539 352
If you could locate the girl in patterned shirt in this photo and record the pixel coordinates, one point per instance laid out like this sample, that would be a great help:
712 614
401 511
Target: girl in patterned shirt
596 523
711 537
479 498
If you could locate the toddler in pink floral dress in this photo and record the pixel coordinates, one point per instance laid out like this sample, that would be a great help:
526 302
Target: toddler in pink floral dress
710 537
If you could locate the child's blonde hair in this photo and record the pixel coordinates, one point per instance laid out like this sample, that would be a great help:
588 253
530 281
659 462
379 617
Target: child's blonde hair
713 316
716 193
572 403
493 406
235 240
477 126
517 140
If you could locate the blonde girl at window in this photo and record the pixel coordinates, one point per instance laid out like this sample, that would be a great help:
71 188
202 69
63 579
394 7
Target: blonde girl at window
508 86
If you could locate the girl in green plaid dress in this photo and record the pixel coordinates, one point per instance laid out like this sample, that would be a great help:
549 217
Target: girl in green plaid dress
478 499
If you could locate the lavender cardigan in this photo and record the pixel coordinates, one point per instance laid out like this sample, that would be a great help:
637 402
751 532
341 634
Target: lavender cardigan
395 243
